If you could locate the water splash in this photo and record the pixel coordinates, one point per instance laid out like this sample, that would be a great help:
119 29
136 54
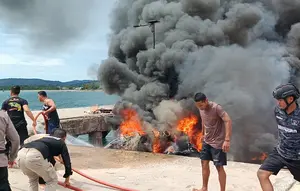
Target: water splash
70 140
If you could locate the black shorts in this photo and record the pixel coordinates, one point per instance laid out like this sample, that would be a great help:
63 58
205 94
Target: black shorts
218 157
275 162
4 184
23 133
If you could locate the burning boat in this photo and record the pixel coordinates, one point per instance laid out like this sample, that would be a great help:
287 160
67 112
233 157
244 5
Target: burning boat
181 138
236 52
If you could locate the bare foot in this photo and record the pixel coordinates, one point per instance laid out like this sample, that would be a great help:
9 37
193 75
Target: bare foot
42 187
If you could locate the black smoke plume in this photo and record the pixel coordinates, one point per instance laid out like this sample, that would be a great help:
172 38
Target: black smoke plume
234 51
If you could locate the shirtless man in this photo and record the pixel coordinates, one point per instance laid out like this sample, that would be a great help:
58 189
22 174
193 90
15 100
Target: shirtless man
49 110
216 127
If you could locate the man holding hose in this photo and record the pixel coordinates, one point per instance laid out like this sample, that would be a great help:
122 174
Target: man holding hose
49 110
36 155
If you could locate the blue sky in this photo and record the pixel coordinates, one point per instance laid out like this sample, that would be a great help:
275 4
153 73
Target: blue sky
17 60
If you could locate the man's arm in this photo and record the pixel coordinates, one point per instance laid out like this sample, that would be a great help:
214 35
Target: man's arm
28 112
13 136
67 161
52 105
4 106
227 122
203 128
228 126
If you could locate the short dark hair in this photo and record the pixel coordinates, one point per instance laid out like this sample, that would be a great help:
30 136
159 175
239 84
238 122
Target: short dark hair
42 93
59 133
199 97
15 90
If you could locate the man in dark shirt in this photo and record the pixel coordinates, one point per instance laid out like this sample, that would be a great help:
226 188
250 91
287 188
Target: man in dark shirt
15 108
49 110
35 156
287 151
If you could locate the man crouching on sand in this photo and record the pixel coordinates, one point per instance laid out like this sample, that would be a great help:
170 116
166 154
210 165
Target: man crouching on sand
35 156
216 128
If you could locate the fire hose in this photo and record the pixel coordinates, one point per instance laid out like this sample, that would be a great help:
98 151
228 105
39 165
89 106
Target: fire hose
77 171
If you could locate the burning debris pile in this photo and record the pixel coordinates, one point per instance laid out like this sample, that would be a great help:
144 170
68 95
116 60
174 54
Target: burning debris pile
181 135
234 51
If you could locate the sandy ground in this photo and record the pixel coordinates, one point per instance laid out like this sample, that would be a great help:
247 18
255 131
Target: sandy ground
148 171
296 187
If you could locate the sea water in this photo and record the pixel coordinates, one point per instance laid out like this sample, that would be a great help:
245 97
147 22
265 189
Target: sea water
66 99
69 99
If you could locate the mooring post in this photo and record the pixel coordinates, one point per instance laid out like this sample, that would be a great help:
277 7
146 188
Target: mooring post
95 138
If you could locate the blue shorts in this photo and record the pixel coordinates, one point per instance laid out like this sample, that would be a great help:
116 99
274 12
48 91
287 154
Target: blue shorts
52 126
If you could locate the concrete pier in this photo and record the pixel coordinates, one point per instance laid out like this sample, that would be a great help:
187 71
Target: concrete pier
78 121
96 138
85 124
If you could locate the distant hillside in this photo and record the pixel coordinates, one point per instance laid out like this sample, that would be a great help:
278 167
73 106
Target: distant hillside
39 82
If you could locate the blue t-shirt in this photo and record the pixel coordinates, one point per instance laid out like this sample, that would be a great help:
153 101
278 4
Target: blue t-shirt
288 133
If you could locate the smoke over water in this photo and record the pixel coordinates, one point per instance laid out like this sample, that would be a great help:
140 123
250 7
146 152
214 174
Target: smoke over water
236 52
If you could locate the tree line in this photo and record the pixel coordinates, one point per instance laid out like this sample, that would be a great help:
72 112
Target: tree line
88 86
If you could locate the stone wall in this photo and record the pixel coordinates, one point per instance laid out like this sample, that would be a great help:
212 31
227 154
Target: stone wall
85 125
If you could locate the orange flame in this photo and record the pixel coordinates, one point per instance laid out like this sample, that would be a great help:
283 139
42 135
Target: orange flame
131 123
262 157
187 125
156 148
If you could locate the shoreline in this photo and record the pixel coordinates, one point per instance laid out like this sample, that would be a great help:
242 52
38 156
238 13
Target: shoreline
72 111
100 90
64 113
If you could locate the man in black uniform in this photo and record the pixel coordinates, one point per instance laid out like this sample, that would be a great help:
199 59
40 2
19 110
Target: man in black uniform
49 110
35 156
15 107
287 151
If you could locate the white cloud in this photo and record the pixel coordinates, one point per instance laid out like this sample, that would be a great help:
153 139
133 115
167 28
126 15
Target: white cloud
7 59
29 60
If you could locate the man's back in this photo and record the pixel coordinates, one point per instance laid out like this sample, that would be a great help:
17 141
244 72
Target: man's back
49 147
14 108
